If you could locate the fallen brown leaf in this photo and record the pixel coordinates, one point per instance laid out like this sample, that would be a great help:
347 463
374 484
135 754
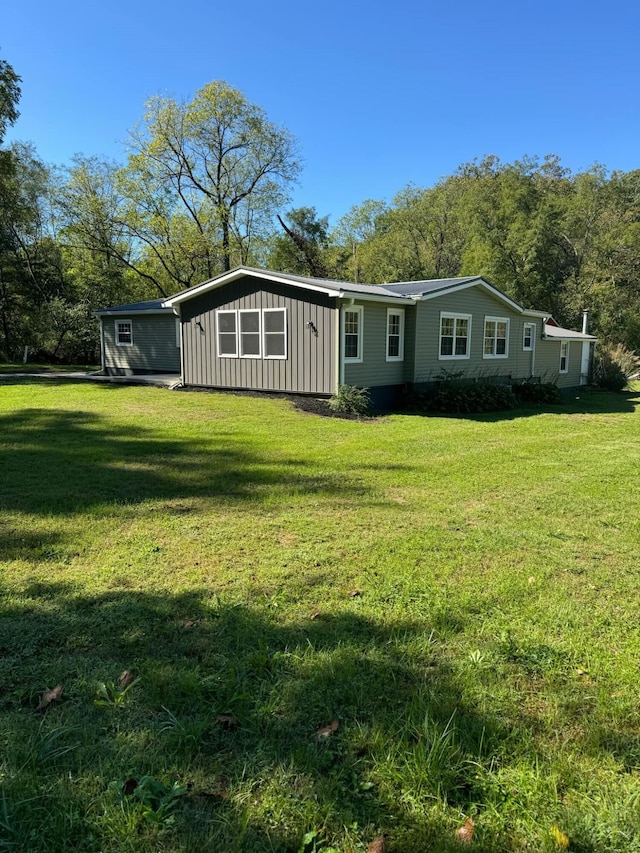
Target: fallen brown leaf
354 593
377 845
325 731
315 614
227 721
464 834
125 679
50 696
188 623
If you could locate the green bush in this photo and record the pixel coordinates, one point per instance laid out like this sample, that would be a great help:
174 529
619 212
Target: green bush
455 397
537 392
613 366
351 400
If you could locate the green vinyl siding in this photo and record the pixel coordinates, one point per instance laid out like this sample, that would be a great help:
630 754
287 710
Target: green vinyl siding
548 362
374 369
154 347
310 363
478 304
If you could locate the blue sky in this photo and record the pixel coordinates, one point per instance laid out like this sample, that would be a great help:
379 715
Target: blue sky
378 94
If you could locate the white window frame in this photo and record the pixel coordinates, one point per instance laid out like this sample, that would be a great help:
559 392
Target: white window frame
235 314
532 334
178 335
496 320
564 345
400 313
265 333
452 315
357 309
240 332
119 323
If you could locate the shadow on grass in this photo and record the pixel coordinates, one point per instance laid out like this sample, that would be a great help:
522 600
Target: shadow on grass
263 777
407 753
572 403
62 462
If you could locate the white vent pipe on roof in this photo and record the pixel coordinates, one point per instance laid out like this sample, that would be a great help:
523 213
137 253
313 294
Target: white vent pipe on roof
585 322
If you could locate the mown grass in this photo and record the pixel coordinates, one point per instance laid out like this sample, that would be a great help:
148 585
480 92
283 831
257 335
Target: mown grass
459 595
35 367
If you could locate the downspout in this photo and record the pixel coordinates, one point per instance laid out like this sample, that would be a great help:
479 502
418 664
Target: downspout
102 357
534 338
339 370
179 313
340 346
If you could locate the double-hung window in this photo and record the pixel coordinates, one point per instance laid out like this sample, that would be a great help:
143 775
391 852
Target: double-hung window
455 335
249 322
252 333
352 336
227 333
124 333
274 324
564 356
395 334
528 336
496 337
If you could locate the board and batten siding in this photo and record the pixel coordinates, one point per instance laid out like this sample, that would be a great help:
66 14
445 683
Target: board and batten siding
154 348
428 366
310 366
374 370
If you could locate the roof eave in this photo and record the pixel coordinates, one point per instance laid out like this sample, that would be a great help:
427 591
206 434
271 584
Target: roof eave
372 297
106 312
233 275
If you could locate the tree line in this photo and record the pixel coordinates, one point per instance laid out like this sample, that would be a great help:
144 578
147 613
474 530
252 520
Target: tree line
204 186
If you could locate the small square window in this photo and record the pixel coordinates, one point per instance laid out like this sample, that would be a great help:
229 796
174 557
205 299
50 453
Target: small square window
124 333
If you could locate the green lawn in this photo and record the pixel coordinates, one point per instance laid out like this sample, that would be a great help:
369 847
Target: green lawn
34 367
341 628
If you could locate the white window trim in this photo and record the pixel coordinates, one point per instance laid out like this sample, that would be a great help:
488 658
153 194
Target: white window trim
452 315
358 309
178 336
120 343
566 357
400 356
496 320
259 332
265 333
533 328
226 354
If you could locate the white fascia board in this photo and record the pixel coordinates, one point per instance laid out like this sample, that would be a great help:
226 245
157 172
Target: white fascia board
530 312
214 283
370 297
474 283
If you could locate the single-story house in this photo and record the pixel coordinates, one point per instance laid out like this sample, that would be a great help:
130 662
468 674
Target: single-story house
270 331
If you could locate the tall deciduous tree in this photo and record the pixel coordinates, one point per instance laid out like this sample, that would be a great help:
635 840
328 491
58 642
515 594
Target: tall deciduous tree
302 247
204 178
9 97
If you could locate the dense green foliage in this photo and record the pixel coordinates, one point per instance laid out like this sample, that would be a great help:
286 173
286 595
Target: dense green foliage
340 628
614 367
457 396
537 392
351 400
203 189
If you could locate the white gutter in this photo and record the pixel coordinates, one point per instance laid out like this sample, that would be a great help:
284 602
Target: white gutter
340 347
371 297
